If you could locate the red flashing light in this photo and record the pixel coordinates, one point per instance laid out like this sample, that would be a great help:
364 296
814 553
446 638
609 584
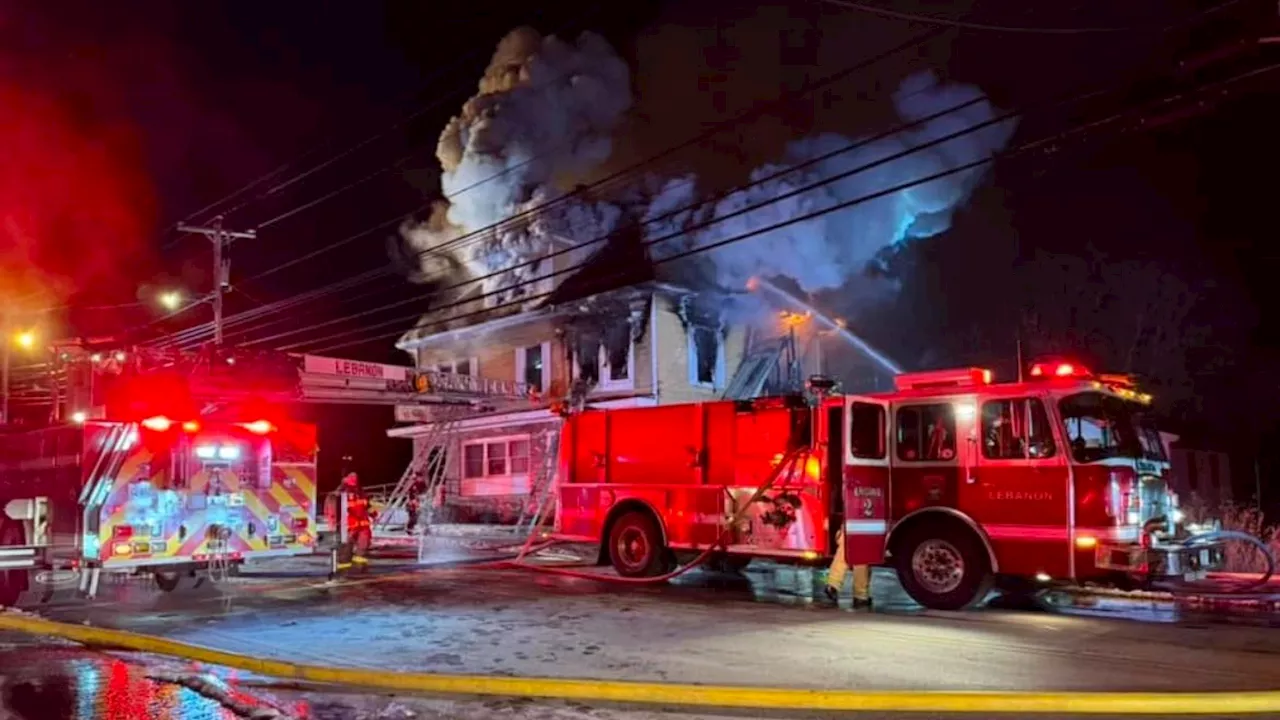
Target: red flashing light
259 427
1062 370
159 423
122 532
191 426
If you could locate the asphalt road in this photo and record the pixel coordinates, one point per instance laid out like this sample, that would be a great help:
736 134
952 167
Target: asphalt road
759 630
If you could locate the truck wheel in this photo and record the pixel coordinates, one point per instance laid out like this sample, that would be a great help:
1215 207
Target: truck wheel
12 582
943 567
635 546
168 580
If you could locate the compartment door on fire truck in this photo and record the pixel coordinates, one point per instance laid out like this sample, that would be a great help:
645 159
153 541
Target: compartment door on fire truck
1017 484
866 480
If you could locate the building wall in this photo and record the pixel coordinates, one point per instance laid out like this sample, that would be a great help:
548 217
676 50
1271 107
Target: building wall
661 369
492 499
1202 477
675 382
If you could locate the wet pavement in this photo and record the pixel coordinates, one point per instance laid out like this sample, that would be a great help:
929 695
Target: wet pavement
759 629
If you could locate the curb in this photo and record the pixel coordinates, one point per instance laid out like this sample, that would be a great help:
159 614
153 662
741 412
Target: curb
638 693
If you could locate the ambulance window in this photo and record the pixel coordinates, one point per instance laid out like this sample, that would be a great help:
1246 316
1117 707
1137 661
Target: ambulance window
866 431
1016 429
926 433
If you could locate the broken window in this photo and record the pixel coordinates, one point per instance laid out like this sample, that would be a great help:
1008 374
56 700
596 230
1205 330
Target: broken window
704 361
618 352
531 362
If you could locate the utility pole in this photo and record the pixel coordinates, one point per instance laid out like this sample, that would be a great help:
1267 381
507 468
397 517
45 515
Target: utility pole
221 239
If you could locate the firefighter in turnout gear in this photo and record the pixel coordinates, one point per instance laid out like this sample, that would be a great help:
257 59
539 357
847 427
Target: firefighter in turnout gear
835 578
358 519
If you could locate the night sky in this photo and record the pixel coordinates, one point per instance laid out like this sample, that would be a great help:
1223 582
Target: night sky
150 111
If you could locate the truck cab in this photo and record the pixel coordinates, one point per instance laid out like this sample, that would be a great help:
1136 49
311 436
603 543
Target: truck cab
959 482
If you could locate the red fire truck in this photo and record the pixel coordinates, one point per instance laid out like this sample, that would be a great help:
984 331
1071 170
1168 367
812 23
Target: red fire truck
137 490
951 479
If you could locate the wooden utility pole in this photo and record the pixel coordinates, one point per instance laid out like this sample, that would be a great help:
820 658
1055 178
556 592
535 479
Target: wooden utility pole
221 239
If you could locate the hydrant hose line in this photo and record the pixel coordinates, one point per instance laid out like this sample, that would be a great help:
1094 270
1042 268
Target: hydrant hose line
1219 537
662 694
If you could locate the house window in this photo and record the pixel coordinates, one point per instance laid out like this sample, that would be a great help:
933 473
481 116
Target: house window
706 357
1016 429
617 375
496 466
533 366
926 433
465 366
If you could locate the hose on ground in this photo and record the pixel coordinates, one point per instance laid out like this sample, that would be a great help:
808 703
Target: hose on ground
1218 537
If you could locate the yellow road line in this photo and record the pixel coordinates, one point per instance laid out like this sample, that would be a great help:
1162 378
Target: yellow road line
1105 703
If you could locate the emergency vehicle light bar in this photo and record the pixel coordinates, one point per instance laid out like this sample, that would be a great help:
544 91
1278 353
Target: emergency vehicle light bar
1042 370
961 377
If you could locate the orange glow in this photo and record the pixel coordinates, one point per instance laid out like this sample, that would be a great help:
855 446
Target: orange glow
1086 542
812 468
794 319
753 284
191 426
159 423
259 427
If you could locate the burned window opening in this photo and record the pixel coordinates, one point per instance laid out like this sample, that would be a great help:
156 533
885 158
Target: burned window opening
706 352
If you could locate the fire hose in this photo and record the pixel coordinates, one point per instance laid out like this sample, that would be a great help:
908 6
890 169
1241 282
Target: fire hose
1245 588
786 466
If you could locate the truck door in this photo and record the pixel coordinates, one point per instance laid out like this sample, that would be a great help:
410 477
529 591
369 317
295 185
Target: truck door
866 480
1017 485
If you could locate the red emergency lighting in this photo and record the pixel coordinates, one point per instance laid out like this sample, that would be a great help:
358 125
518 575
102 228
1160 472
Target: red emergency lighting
122 532
1062 370
158 423
259 427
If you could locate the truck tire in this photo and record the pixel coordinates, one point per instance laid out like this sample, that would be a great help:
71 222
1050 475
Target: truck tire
943 566
12 582
168 580
635 546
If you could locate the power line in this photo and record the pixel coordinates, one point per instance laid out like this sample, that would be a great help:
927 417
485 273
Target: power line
759 231
438 99
966 25
674 213
800 92
477 235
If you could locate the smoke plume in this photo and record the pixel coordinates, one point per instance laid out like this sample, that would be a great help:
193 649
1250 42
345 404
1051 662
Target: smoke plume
544 120
823 253
541 122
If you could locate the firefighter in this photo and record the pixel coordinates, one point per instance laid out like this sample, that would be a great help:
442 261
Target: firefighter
415 505
359 518
835 579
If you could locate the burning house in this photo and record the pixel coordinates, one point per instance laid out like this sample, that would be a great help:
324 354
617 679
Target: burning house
559 281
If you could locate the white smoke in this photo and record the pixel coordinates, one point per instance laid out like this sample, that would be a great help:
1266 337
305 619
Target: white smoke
823 253
542 120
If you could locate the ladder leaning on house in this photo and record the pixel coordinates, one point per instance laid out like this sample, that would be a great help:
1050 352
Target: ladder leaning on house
542 484
428 466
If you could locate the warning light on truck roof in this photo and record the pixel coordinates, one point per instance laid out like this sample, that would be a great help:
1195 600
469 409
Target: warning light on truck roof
1062 370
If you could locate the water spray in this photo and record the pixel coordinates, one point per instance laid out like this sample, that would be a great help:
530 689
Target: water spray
838 328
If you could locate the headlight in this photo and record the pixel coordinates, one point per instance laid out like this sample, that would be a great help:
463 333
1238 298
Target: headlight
1176 517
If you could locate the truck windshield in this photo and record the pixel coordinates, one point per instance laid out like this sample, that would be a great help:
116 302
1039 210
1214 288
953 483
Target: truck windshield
1101 426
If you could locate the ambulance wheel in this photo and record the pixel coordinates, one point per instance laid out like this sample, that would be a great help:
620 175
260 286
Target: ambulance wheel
943 567
168 580
12 582
635 546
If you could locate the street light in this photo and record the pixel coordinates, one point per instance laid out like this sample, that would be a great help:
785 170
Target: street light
25 339
170 299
